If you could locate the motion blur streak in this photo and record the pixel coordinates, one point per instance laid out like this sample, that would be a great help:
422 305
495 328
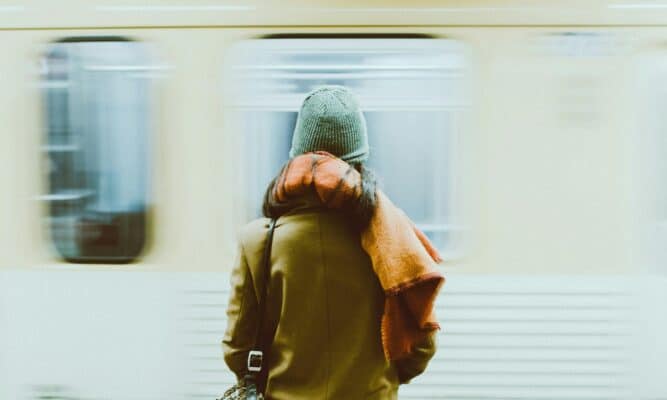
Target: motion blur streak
97 110
527 139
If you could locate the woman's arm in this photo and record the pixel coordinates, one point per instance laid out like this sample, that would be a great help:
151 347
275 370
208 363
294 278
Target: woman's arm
241 317
410 367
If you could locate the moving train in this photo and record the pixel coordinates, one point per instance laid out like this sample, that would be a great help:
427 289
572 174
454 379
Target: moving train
527 139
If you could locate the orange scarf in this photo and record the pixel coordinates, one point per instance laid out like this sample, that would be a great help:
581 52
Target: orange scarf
403 258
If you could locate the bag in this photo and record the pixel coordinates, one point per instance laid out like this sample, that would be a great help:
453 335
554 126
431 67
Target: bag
246 388
243 390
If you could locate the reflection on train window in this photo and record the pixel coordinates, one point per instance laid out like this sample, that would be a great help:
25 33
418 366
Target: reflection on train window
96 98
412 94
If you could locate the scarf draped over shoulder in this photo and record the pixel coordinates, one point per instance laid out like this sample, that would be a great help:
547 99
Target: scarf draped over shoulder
403 258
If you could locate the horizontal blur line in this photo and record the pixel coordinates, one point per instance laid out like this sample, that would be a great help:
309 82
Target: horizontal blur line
116 68
480 307
54 84
502 397
444 333
458 396
530 396
176 8
218 305
531 373
637 6
491 347
199 291
535 307
223 370
534 385
605 361
446 347
211 370
436 77
209 319
544 334
541 320
329 26
426 46
62 148
518 293
440 387
363 51
337 67
366 76
384 108
472 347
414 9
475 293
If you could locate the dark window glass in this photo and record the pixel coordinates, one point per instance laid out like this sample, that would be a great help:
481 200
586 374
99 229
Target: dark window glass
97 105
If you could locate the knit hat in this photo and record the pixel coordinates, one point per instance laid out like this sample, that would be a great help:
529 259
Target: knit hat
330 120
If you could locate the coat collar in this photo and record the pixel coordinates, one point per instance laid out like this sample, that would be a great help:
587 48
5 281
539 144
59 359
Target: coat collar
307 202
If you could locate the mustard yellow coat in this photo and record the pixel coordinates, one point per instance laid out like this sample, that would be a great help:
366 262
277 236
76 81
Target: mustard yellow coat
323 312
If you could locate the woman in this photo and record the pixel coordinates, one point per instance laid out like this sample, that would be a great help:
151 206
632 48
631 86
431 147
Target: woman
349 309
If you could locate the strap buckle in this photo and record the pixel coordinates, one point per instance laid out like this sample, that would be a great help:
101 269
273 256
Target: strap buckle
255 358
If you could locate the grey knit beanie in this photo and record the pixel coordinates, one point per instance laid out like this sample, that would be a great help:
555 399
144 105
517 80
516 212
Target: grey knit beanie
330 120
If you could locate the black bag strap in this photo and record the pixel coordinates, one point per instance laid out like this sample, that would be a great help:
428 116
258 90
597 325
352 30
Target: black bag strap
256 356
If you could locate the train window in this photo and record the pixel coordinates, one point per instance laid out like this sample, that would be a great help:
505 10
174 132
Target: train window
413 97
96 104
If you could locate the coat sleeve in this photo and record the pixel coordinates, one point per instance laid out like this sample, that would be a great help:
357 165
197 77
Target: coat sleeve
412 366
239 336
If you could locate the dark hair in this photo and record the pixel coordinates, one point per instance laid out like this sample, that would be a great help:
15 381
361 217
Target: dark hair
360 209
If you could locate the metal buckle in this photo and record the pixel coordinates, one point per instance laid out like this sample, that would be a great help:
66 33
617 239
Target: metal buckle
255 360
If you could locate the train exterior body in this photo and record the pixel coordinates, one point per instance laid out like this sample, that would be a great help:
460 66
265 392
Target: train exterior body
137 137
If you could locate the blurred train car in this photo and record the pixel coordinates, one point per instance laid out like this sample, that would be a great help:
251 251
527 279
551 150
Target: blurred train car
527 139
